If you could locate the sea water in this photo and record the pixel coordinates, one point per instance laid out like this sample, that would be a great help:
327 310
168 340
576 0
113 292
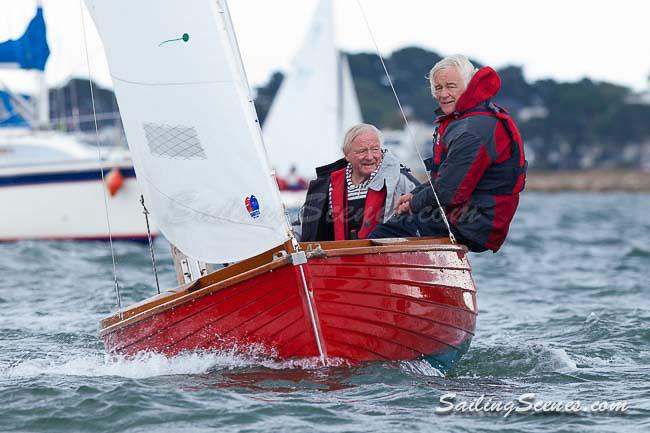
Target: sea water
564 317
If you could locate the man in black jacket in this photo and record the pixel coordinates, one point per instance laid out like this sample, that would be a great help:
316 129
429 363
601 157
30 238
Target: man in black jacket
351 196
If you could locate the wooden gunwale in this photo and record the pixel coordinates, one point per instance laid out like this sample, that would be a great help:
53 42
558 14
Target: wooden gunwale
260 264
397 248
377 265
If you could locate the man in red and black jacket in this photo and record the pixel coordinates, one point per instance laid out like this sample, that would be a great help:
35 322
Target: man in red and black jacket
478 168
351 196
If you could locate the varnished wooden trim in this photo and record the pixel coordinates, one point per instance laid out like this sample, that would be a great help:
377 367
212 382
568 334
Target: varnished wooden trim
390 249
330 245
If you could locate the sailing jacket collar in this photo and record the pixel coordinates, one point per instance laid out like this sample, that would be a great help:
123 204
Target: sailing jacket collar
483 86
387 174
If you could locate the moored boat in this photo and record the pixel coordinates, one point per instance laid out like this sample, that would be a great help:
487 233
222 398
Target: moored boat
51 183
53 190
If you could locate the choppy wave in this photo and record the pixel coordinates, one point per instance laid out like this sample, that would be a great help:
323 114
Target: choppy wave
422 368
638 252
517 360
563 312
143 366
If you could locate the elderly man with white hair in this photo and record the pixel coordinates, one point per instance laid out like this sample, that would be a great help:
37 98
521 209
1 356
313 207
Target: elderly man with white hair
351 196
478 168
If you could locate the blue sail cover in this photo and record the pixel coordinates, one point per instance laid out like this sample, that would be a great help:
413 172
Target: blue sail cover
30 51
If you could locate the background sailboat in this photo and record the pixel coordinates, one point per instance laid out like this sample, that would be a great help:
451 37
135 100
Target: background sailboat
315 104
50 182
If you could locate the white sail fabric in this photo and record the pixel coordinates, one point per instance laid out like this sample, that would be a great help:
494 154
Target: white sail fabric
315 104
191 125
349 103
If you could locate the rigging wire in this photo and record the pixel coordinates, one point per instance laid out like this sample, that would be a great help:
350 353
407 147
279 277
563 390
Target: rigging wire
101 165
406 122
146 213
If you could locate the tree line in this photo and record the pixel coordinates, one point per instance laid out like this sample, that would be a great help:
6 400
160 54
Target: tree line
566 125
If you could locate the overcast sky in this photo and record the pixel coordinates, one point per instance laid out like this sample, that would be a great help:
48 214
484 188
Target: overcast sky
560 39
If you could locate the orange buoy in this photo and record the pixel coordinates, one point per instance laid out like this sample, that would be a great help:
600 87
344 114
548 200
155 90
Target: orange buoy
114 181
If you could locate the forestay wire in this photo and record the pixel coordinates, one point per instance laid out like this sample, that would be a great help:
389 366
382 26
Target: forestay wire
99 160
406 122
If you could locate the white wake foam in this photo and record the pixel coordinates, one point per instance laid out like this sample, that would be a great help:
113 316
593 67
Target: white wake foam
421 367
554 359
143 366
151 365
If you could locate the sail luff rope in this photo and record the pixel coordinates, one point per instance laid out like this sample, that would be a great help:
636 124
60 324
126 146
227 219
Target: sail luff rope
406 122
99 160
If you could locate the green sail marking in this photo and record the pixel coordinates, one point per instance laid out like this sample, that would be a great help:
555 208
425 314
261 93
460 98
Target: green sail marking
183 38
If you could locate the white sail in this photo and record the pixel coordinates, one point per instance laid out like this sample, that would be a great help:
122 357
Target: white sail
348 101
315 104
191 125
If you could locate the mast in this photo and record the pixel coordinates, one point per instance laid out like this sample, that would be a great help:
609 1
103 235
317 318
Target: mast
43 101
43 109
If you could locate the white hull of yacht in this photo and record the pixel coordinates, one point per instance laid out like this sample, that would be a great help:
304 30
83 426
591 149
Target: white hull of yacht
66 202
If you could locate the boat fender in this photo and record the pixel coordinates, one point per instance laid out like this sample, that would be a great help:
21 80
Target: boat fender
114 181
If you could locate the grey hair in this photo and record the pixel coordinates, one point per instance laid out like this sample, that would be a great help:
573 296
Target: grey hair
356 131
458 61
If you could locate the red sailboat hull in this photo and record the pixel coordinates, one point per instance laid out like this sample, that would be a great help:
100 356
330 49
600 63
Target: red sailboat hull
355 300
